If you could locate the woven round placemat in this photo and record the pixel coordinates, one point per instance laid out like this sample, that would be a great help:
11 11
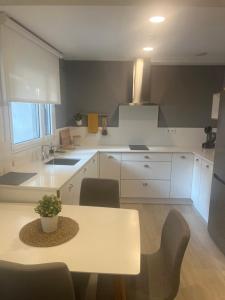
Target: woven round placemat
32 234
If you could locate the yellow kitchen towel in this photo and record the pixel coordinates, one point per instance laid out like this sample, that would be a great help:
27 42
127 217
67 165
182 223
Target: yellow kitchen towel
93 122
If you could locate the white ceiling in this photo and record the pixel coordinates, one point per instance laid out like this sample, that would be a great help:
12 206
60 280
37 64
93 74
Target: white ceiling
120 32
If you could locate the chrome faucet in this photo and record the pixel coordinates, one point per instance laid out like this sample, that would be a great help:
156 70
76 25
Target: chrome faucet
45 154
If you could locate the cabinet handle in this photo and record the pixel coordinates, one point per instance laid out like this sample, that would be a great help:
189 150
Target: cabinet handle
146 166
70 187
110 156
207 166
145 184
197 159
146 156
183 156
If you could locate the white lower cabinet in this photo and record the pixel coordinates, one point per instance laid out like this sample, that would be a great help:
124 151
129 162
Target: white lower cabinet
145 175
201 187
146 156
141 175
145 188
110 165
70 192
196 180
181 175
92 167
145 170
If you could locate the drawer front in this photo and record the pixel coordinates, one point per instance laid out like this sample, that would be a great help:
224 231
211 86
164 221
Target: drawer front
110 155
145 170
145 188
147 156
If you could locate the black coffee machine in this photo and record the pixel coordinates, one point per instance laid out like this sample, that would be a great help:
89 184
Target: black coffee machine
210 138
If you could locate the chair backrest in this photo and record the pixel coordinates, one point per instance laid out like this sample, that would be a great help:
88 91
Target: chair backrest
44 281
100 192
174 241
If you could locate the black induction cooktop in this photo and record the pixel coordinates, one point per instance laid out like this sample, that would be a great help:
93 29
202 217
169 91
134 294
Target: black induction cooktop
138 147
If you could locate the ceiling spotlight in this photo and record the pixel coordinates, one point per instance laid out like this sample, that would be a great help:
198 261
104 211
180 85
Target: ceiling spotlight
148 49
157 19
201 53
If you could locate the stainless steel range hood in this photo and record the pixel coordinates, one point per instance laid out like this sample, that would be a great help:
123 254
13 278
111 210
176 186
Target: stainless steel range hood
141 82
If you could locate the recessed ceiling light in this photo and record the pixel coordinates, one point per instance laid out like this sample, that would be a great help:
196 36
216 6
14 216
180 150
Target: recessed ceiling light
148 49
157 19
201 54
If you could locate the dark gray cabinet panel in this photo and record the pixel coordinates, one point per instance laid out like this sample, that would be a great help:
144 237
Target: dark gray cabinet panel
184 94
95 86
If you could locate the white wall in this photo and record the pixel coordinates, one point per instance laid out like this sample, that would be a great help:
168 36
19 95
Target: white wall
139 125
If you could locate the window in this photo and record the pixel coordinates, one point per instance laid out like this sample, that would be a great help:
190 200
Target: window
47 119
25 122
30 121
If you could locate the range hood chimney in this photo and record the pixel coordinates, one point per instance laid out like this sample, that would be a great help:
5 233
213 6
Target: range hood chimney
141 82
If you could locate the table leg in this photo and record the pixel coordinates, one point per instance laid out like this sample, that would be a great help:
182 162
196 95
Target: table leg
120 288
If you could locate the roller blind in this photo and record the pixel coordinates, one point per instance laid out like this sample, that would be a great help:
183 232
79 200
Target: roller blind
31 73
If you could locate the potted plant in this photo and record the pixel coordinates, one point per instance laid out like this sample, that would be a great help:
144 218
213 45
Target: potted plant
78 119
48 208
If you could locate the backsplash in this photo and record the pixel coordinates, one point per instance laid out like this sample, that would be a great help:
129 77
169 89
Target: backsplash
139 125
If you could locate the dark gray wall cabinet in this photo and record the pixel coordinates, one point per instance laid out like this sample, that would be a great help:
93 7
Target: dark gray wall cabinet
184 94
94 86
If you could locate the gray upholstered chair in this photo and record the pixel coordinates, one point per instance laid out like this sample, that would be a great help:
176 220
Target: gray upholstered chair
37 282
100 192
160 272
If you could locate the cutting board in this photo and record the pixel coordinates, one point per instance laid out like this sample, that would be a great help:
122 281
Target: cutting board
65 138
92 122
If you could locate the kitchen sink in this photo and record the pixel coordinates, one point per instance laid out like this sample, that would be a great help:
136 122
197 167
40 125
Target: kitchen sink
63 161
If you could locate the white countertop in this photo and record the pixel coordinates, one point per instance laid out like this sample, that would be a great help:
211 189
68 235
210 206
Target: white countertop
108 240
54 177
207 154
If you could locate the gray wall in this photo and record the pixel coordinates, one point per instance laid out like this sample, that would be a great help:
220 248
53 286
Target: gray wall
183 92
91 86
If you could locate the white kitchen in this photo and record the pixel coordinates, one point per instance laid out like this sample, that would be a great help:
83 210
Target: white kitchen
111 129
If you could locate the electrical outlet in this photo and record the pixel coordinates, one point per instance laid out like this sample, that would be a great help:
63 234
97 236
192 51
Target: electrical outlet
172 130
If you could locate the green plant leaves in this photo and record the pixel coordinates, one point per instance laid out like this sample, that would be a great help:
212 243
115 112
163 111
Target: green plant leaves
49 206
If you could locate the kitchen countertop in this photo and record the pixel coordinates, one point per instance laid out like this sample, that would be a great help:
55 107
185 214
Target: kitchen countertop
55 176
207 154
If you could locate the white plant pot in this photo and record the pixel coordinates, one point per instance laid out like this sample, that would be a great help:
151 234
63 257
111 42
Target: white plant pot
79 123
49 224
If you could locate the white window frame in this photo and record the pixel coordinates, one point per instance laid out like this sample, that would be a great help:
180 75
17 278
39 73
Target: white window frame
35 142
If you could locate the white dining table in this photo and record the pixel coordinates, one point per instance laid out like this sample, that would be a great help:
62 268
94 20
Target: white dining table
108 240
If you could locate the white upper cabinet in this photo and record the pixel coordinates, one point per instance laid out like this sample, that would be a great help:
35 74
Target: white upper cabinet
30 69
181 175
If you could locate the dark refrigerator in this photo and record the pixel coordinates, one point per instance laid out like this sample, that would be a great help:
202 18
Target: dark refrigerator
216 222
